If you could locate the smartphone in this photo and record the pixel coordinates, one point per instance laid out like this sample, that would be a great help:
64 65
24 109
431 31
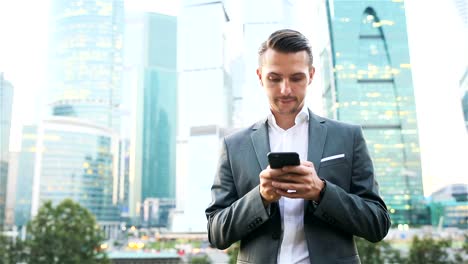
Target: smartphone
280 159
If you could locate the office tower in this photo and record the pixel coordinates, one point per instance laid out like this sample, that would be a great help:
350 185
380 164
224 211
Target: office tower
151 73
80 156
203 97
6 104
462 9
24 174
371 84
448 206
75 160
86 60
204 91
202 159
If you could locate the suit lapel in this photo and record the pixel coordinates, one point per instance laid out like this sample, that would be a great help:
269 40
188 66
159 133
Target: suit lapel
317 137
261 143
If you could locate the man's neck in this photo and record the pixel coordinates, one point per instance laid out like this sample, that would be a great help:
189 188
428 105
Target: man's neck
285 121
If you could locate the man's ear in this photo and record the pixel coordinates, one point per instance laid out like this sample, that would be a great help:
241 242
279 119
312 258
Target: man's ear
311 74
259 74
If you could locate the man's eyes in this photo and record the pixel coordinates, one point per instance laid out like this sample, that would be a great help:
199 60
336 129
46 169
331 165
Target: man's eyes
293 79
274 79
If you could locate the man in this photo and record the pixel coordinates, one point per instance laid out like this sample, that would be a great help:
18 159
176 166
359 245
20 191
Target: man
297 214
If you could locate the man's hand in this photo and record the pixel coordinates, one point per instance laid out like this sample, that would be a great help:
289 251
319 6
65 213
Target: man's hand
267 191
298 182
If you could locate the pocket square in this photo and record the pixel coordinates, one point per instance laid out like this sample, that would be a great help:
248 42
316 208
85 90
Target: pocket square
332 157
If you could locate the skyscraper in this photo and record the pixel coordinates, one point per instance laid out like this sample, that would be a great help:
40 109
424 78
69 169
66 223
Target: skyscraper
371 84
6 103
77 149
86 60
151 72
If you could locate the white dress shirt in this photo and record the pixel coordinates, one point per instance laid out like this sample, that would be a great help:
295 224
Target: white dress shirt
293 244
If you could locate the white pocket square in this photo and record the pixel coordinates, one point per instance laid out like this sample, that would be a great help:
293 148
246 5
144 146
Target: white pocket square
332 157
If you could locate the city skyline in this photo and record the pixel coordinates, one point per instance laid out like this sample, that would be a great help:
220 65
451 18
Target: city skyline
433 171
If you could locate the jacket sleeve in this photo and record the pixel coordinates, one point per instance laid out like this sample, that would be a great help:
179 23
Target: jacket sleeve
231 218
361 211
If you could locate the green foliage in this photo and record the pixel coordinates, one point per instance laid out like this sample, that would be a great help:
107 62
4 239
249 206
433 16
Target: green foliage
376 253
11 251
67 233
200 260
429 251
232 251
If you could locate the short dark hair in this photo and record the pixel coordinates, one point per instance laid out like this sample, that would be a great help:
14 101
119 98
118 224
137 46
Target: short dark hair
287 41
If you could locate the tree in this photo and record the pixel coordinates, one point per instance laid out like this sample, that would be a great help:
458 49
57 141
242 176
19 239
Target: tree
429 251
376 253
67 233
232 251
11 251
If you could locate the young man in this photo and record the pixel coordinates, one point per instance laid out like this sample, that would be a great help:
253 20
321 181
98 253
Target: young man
296 214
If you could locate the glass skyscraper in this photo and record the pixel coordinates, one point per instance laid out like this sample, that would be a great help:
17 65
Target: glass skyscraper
151 71
86 60
370 83
75 160
24 176
6 104
78 148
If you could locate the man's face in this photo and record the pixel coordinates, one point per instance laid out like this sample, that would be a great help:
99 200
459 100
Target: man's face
285 77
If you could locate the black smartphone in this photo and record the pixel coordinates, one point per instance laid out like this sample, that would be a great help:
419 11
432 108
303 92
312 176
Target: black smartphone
280 159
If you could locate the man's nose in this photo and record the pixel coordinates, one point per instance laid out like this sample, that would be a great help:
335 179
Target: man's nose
285 87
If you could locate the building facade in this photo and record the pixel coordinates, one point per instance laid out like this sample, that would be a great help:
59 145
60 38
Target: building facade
86 60
75 160
449 206
370 83
151 73
6 104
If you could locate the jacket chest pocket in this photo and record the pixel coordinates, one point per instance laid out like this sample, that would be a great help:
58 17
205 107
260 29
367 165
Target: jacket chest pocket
336 171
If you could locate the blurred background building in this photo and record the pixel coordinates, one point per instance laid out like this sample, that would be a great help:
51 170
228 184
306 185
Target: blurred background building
372 86
6 103
449 206
151 95
75 152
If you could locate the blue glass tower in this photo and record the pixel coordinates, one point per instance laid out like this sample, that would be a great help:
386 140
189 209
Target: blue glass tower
86 59
373 87
151 69
6 103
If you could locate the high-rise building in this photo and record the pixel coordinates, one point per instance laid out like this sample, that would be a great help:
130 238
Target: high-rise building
449 206
24 175
86 60
78 148
462 9
202 159
371 84
76 160
6 104
151 73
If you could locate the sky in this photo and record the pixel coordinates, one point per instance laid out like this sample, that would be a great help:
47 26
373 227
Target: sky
437 57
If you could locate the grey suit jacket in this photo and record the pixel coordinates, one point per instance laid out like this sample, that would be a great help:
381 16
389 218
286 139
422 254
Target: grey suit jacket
351 205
